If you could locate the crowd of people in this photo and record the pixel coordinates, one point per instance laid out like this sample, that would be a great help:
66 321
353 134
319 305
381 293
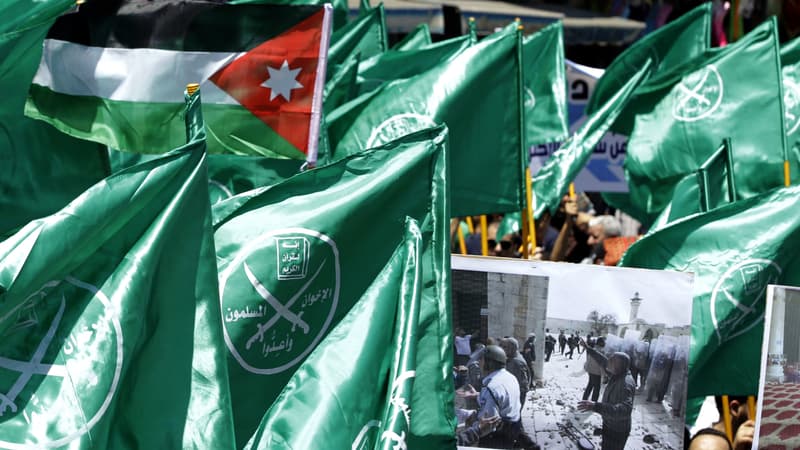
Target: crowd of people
493 383
575 233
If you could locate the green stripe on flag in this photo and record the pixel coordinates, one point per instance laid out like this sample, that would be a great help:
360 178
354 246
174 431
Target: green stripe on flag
235 129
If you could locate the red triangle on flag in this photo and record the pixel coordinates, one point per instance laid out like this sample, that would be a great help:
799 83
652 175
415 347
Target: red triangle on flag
263 78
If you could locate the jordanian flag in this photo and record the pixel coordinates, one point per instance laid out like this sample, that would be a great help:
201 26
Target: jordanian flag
116 75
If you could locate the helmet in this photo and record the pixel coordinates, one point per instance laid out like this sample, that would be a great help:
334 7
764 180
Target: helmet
494 353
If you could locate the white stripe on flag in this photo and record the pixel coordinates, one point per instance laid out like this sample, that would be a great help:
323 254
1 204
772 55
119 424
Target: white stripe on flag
134 75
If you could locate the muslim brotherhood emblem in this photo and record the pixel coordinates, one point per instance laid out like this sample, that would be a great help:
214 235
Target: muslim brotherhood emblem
61 357
279 295
398 126
698 95
738 298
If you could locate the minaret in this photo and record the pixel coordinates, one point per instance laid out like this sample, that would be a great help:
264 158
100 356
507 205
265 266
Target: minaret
635 302
775 358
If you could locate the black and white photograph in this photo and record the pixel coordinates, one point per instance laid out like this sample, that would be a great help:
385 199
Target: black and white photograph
605 349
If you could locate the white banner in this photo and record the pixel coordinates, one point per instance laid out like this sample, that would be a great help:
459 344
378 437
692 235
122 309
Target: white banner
603 172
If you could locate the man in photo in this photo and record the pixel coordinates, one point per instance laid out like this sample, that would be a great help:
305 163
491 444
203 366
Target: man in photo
617 401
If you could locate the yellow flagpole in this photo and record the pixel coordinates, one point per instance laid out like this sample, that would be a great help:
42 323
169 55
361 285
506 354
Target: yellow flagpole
484 236
572 191
461 244
726 417
751 406
529 212
786 179
470 225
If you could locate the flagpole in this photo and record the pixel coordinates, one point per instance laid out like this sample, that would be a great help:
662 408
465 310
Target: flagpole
528 225
726 417
461 244
470 225
786 178
529 211
484 236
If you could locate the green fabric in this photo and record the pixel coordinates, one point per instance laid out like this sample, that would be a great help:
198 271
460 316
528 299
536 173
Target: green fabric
668 47
337 391
341 87
116 295
41 169
508 225
734 251
155 128
682 117
315 243
418 37
340 8
790 74
473 93
400 64
366 36
709 183
227 174
552 180
545 89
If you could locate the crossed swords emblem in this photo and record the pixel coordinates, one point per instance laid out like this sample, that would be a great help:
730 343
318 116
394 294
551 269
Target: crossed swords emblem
27 369
282 310
694 93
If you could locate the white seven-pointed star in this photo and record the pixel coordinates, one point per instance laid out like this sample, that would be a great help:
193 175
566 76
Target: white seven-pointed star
282 81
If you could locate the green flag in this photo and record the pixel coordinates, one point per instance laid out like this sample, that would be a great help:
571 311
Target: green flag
734 252
114 75
418 37
228 175
671 45
545 88
41 169
711 186
294 258
110 317
552 180
485 130
733 92
334 399
399 64
341 87
790 73
365 36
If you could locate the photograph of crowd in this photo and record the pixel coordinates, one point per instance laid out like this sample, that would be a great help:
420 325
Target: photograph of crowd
598 355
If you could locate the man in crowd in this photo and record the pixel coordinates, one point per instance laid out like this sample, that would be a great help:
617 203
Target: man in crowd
617 402
595 371
499 396
572 342
549 344
742 427
529 353
463 348
517 366
562 341
600 228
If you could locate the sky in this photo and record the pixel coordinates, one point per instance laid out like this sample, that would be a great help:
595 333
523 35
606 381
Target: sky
574 290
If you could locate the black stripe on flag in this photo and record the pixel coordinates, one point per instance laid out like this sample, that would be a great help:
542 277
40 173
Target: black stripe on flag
211 26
